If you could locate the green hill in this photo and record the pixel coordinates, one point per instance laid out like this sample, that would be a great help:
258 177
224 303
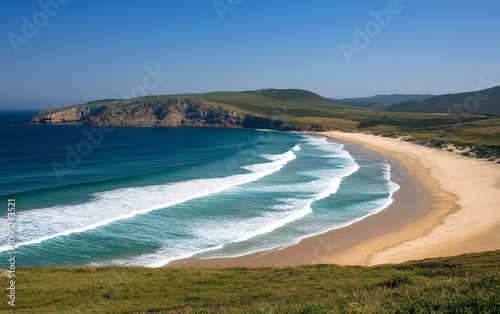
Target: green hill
262 103
266 108
272 102
463 284
484 102
381 102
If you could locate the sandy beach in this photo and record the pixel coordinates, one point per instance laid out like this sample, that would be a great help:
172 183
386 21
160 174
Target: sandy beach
446 205
465 215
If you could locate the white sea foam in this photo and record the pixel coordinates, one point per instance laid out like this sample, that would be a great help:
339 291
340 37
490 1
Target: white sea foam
211 234
286 210
284 204
325 183
266 130
376 205
39 225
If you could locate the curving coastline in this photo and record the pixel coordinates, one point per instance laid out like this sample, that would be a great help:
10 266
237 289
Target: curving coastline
446 206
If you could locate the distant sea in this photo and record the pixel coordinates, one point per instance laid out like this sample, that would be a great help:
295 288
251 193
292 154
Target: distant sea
148 196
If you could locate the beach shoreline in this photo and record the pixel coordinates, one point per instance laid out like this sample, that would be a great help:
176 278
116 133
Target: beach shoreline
413 227
464 217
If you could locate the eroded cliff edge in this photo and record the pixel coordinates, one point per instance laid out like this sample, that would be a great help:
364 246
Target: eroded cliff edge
172 112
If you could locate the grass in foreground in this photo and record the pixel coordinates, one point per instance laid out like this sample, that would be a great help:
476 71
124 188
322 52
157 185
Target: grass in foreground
463 284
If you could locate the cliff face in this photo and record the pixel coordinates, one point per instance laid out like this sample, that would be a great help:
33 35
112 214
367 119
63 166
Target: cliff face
174 112
75 114
168 113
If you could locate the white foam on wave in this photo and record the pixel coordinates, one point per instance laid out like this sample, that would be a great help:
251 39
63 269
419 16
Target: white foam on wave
320 141
288 210
284 204
266 130
38 225
328 183
379 204
392 186
209 234
278 160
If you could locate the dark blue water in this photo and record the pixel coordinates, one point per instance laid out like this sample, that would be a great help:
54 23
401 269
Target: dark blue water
147 196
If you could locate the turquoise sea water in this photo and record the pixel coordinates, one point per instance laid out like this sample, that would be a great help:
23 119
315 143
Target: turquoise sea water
148 196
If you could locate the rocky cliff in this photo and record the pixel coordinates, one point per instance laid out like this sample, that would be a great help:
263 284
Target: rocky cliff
171 112
72 114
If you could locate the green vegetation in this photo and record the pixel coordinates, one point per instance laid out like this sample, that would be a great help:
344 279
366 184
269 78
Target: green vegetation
484 102
382 102
274 103
478 134
464 284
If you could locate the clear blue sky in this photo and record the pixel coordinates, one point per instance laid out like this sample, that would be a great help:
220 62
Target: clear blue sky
93 49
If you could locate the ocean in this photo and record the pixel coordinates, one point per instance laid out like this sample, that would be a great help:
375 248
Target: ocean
148 196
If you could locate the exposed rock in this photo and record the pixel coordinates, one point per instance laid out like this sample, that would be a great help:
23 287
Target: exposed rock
171 112
72 114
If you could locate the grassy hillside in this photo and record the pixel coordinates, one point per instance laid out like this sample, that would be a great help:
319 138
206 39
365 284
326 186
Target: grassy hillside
265 102
463 284
485 102
381 102
273 102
